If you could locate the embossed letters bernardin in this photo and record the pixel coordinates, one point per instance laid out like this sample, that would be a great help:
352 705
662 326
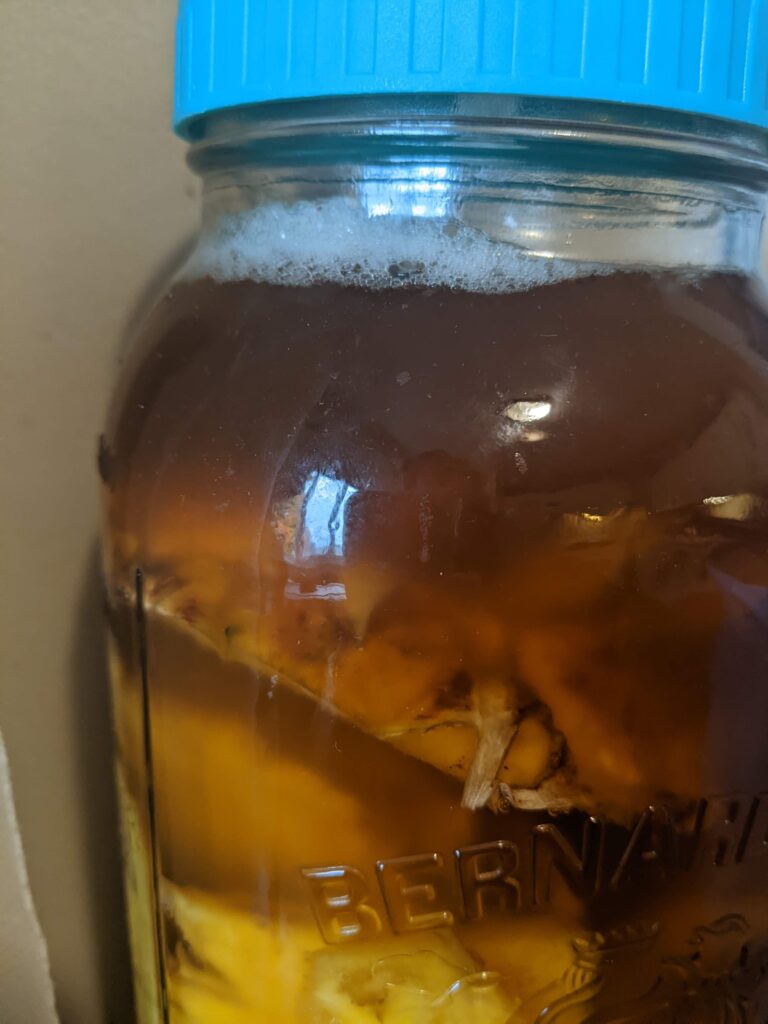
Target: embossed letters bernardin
430 890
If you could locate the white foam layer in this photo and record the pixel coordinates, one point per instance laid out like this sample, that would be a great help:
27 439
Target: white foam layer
335 240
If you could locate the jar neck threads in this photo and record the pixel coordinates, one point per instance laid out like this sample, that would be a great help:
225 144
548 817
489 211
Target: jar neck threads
584 183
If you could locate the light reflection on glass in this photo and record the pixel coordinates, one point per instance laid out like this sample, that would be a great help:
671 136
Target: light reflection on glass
323 592
323 514
426 192
527 411
736 506
517 417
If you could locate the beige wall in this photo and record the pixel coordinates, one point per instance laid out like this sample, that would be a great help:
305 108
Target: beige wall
94 197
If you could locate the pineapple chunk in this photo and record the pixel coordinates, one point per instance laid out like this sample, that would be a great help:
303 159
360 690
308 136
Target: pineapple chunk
384 652
529 952
248 773
625 689
229 967
529 759
139 911
423 979
450 746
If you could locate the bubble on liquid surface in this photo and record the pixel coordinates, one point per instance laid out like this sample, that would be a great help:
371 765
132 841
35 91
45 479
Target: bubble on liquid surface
337 241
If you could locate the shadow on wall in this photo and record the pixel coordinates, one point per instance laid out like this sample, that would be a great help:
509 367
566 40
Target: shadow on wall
94 739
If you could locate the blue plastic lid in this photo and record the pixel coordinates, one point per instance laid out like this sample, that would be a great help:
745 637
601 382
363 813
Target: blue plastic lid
700 56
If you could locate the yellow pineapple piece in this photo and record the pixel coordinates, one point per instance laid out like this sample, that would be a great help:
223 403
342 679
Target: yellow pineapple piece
529 952
625 688
230 967
383 651
137 868
450 746
530 756
418 979
248 775
379 686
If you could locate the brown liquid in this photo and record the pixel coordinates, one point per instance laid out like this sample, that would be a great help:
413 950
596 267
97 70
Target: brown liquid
470 580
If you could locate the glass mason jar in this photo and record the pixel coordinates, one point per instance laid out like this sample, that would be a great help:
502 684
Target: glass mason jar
436 503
